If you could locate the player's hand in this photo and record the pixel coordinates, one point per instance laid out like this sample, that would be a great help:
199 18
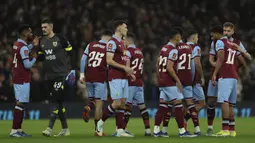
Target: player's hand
36 41
133 78
179 86
237 47
128 70
82 78
202 81
33 54
214 80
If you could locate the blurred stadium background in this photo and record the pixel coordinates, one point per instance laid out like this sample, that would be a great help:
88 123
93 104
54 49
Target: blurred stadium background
81 21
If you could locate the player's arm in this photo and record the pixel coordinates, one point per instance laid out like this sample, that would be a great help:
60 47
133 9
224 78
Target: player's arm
40 53
172 57
111 48
212 56
244 52
198 65
241 61
212 60
83 64
220 56
68 48
129 57
24 52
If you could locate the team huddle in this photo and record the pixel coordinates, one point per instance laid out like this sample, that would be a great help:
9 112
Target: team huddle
114 65
116 60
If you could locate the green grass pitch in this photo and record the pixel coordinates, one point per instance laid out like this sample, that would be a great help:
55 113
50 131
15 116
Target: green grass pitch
82 132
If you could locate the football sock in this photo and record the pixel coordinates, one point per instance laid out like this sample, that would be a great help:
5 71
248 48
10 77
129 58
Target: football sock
145 116
210 114
162 110
18 115
194 115
178 113
231 124
108 112
127 115
53 117
120 118
225 124
62 116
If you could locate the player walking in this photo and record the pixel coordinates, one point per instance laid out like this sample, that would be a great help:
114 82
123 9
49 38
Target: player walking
93 63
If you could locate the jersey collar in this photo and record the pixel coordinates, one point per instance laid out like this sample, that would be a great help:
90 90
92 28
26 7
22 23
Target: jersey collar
231 39
190 43
22 41
102 41
116 38
131 46
224 37
170 43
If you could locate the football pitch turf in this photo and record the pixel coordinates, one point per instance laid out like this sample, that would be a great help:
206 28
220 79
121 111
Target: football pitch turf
82 132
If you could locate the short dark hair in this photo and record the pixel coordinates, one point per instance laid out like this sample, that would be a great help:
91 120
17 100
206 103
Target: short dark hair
191 32
173 32
179 29
106 32
229 24
131 36
22 28
217 29
47 21
117 23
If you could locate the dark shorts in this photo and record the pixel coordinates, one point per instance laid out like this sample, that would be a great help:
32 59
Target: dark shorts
56 89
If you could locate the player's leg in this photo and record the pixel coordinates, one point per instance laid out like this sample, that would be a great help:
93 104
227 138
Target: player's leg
139 100
211 104
199 97
225 89
100 97
57 98
166 120
176 97
187 92
116 95
22 92
129 102
91 103
162 110
232 102
121 111
53 110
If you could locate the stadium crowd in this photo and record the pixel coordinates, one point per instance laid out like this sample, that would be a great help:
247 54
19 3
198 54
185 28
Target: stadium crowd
83 20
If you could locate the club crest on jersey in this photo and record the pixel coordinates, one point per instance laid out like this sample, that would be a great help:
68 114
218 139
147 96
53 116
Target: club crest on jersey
26 52
174 56
55 44
124 52
110 46
199 51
